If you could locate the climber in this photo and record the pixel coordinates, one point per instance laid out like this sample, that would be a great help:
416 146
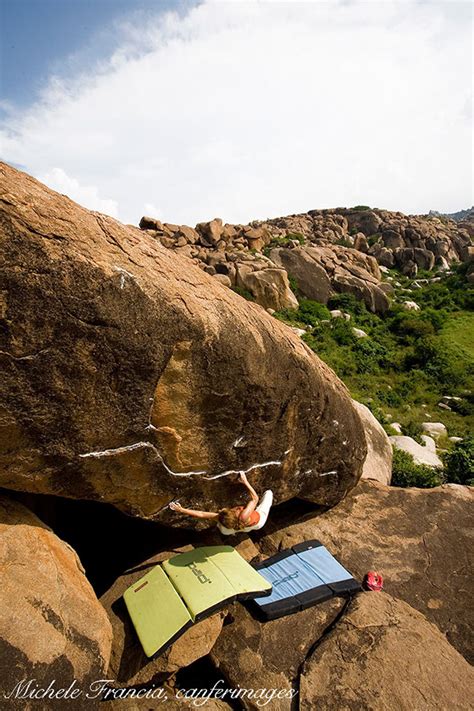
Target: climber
237 519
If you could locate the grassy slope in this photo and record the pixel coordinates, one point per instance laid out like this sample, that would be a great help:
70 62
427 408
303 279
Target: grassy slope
460 330
394 391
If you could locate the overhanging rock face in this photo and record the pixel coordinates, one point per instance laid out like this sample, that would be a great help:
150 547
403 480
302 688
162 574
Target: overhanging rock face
132 377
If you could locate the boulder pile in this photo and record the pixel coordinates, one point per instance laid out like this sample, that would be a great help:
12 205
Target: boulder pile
322 252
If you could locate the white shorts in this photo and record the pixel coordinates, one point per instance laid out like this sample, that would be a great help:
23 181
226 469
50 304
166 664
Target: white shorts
263 509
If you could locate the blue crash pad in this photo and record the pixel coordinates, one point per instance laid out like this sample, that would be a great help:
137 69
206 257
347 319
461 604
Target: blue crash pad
302 576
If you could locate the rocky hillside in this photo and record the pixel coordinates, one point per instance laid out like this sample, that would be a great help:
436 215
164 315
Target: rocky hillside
323 251
132 376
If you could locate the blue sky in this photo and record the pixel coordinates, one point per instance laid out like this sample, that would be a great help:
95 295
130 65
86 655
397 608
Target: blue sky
240 110
43 37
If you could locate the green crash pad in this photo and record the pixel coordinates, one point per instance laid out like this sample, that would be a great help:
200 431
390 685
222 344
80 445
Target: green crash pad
158 613
187 588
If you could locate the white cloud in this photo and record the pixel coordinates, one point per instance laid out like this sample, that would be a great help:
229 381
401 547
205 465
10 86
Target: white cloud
88 195
151 210
252 110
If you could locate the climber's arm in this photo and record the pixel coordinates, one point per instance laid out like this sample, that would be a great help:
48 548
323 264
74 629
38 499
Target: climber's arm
192 512
252 504
249 486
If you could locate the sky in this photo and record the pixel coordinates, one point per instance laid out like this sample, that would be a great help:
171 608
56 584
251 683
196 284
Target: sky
187 111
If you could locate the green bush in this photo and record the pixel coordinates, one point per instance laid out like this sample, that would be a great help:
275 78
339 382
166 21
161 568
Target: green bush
436 295
389 397
346 302
413 429
243 292
390 430
283 241
452 293
443 362
361 208
461 289
311 312
341 360
344 242
342 332
293 284
437 317
411 326
378 413
406 473
288 316
370 356
298 236
373 239
413 386
464 407
459 462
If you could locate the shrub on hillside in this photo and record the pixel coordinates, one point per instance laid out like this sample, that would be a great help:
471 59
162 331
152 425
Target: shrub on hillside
378 413
462 290
437 296
370 356
443 362
411 326
346 302
342 332
344 242
437 317
341 360
245 293
406 473
413 386
311 312
465 406
413 429
389 397
283 241
452 293
459 462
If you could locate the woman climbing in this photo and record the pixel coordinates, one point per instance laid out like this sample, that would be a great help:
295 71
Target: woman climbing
238 518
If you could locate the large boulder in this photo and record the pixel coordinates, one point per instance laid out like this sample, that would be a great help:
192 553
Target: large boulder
378 463
270 288
259 656
383 654
365 221
421 540
210 232
363 289
311 277
52 627
422 453
423 258
322 270
434 429
132 377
